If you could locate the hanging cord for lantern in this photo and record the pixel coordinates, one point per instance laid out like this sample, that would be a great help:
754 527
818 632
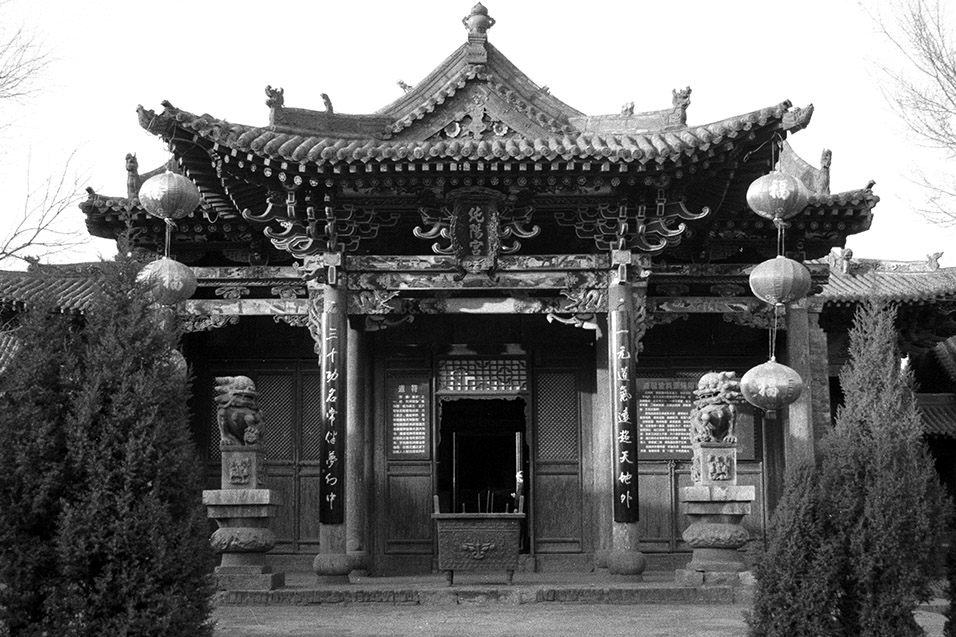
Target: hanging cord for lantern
170 224
778 309
781 234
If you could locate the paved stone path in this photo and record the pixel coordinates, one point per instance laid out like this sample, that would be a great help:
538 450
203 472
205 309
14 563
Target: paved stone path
496 620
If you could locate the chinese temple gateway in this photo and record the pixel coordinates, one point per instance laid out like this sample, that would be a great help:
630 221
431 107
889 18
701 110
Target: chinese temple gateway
479 293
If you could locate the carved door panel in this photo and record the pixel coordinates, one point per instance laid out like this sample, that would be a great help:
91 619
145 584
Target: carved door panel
558 507
289 398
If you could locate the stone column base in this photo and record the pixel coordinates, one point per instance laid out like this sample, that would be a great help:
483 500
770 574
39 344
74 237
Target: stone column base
627 563
332 568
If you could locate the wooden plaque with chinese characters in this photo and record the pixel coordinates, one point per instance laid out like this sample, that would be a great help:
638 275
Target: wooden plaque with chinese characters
409 424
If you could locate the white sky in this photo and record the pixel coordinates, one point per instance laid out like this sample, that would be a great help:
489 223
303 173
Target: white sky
212 56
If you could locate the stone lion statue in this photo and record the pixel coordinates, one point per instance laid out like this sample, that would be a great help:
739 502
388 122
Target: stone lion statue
714 415
238 410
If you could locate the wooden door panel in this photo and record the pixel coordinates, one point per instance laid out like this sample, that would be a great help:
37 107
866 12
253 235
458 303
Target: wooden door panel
408 513
283 525
655 493
557 523
309 498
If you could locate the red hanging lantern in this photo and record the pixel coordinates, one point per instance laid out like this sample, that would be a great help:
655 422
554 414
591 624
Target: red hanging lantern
168 281
780 280
771 385
777 196
169 196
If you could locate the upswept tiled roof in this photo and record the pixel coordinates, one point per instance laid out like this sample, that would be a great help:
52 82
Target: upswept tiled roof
855 280
475 105
642 148
71 290
939 414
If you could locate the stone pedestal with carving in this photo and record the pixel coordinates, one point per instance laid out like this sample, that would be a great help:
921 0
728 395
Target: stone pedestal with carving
716 506
242 508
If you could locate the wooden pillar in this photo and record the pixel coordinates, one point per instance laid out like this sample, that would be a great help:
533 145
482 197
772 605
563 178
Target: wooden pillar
602 446
625 557
799 440
356 485
329 324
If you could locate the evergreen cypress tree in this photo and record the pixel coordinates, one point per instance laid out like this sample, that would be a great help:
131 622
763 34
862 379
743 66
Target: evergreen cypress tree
897 538
802 574
35 391
102 530
870 517
133 544
949 629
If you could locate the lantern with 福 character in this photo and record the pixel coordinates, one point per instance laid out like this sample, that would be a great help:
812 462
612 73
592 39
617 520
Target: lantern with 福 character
771 386
168 281
777 196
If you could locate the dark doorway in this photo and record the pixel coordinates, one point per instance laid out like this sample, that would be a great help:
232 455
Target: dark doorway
482 444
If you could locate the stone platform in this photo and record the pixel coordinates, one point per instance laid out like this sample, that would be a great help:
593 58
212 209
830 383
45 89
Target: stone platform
528 588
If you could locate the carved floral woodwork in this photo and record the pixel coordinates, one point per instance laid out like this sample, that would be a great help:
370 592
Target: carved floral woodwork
288 291
370 302
760 318
203 323
232 292
295 320
618 225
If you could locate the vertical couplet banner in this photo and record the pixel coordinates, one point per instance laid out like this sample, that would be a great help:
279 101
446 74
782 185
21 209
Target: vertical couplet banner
332 443
623 410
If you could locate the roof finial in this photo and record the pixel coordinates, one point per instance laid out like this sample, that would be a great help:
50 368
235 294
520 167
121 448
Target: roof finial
478 21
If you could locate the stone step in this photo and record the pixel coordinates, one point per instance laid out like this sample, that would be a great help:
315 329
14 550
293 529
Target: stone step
430 591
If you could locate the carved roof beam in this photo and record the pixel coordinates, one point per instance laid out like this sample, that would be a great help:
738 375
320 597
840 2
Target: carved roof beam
424 282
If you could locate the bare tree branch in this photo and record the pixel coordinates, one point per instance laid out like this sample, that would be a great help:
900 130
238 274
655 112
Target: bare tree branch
922 90
44 227
22 61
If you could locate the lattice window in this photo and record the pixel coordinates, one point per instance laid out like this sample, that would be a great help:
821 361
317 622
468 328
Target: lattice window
276 400
557 409
311 415
475 375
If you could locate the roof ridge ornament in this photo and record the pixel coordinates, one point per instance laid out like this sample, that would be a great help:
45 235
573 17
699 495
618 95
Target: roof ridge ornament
477 23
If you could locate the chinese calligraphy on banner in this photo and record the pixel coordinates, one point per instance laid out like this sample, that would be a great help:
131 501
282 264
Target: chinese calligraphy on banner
332 443
624 418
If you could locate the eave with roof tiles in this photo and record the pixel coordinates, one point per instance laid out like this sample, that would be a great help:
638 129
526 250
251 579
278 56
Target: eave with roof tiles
853 281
